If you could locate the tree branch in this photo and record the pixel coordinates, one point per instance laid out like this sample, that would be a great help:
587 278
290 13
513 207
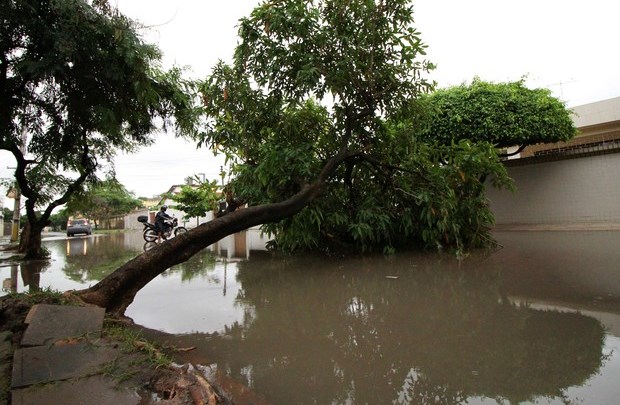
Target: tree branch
117 290
519 150
377 162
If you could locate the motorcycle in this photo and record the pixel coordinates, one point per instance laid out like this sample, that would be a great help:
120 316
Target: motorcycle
150 234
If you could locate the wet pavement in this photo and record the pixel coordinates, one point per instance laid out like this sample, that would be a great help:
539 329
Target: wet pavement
62 360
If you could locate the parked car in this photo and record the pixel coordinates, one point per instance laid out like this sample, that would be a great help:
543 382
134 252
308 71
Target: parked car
80 225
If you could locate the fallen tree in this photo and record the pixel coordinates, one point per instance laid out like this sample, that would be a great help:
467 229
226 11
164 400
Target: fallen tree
117 291
316 116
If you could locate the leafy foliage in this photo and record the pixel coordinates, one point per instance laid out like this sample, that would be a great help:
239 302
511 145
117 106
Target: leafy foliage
103 200
59 219
7 214
77 83
314 80
504 114
197 201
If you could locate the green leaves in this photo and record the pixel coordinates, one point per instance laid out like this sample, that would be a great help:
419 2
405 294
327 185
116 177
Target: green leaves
504 114
80 83
197 201
102 200
359 52
313 79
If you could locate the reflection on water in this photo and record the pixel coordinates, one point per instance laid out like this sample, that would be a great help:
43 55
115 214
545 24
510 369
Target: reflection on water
536 322
77 262
566 266
200 295
408 329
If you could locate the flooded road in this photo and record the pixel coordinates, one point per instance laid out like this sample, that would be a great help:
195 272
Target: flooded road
537 321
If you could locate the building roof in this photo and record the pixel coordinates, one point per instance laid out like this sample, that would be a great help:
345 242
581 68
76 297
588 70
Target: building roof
600 112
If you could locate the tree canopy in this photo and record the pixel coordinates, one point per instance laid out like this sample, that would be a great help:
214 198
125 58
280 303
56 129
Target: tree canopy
196 201
311 80
77 84
504 114
103 200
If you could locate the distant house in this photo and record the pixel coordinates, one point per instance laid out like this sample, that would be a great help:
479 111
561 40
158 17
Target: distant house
151 203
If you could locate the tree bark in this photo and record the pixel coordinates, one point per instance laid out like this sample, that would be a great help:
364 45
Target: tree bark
117 291
30 241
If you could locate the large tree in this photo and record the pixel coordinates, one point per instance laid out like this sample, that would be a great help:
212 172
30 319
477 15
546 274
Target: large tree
77 84
102 200
316 105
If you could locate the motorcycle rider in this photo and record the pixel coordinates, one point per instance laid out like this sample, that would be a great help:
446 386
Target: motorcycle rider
160 222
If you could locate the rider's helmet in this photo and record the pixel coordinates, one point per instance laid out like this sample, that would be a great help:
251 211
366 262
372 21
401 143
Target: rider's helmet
164 207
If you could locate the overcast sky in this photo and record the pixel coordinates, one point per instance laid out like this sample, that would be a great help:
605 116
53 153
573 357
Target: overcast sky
568 46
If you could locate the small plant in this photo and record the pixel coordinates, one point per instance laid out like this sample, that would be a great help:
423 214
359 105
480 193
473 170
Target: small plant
43 296
117 371
132 342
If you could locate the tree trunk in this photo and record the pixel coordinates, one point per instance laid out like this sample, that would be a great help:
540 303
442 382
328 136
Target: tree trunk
117 291
30 241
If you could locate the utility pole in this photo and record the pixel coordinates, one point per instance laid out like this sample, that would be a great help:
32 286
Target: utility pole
16 213
17 194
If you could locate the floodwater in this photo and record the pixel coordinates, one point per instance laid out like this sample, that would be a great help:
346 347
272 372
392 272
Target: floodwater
537 321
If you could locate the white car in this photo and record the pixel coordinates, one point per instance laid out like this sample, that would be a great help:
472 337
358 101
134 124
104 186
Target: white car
80 225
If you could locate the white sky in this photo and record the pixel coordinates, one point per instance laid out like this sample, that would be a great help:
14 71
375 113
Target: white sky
568 46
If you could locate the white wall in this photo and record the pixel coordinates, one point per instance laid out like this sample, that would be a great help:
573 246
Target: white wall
255 240
180 215
131 219
582 192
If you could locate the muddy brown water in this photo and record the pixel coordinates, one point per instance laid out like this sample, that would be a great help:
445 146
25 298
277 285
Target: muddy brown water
537 321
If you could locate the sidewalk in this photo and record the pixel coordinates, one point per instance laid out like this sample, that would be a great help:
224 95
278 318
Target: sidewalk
62 359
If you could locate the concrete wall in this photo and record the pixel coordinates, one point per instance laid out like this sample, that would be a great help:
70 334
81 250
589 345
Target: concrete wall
131 219
256 240
575 193
112 223
592 114
241 244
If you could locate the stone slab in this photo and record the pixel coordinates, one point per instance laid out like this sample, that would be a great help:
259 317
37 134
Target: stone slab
98 390
42 364
6 348
50 323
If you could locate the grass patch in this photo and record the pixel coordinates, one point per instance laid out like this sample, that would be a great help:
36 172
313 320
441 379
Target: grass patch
118 371
132 341
43 296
